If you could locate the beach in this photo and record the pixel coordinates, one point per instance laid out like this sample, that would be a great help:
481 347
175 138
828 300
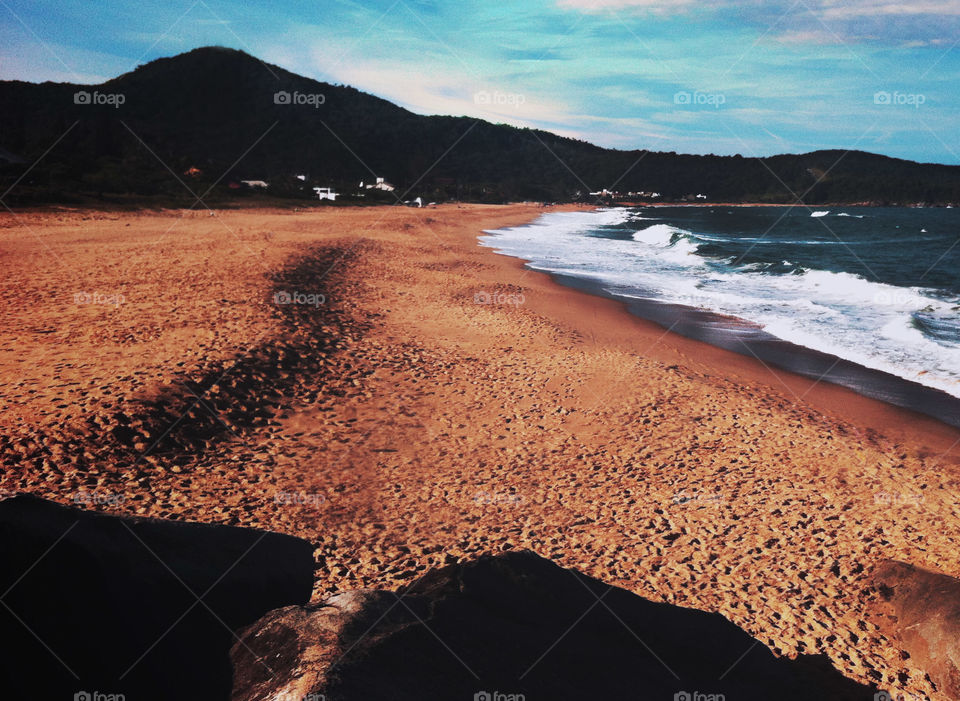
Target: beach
373 380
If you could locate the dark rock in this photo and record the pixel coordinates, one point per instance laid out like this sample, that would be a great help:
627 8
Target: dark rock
515 624
99 603
922 610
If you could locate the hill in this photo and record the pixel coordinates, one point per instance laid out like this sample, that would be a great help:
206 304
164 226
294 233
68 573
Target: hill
231 117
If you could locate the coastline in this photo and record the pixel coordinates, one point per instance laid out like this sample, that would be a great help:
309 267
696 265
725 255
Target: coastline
632 331
443 401
776 355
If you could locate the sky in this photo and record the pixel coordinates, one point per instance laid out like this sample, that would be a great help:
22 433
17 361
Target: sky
707 76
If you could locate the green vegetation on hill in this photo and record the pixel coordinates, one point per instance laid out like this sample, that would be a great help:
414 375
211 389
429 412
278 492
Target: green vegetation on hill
215 110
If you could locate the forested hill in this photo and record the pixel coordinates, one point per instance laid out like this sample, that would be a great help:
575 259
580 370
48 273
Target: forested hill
213 117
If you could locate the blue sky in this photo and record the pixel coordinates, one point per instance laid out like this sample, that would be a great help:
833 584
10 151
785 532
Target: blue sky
755 78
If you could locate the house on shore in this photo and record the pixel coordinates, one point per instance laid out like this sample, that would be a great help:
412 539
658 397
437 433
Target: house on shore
255 184
381 184
326 193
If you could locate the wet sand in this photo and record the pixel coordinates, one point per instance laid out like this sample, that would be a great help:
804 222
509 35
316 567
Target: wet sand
749 339
376 382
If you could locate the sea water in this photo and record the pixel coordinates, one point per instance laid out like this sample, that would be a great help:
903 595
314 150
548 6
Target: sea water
870 292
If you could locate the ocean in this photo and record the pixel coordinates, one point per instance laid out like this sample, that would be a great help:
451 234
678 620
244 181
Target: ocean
864 297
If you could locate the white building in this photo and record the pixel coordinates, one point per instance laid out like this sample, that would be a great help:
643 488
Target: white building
326 193
255 183
381 184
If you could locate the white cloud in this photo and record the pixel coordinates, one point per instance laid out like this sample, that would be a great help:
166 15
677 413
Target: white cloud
37 62
816 22
825 9
654 6
597 5
808 36
427 88
831 9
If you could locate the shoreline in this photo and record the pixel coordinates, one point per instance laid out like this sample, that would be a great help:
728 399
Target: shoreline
868 412
442 402
732 333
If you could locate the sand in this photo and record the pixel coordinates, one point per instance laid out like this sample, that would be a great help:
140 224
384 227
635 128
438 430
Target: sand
421 399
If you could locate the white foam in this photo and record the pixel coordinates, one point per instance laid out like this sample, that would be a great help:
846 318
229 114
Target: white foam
821 213
866 322
658 234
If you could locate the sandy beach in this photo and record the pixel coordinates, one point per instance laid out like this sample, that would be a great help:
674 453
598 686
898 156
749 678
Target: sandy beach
372 380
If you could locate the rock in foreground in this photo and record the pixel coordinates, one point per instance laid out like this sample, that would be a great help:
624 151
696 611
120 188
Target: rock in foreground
510 625
140 607
926 619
